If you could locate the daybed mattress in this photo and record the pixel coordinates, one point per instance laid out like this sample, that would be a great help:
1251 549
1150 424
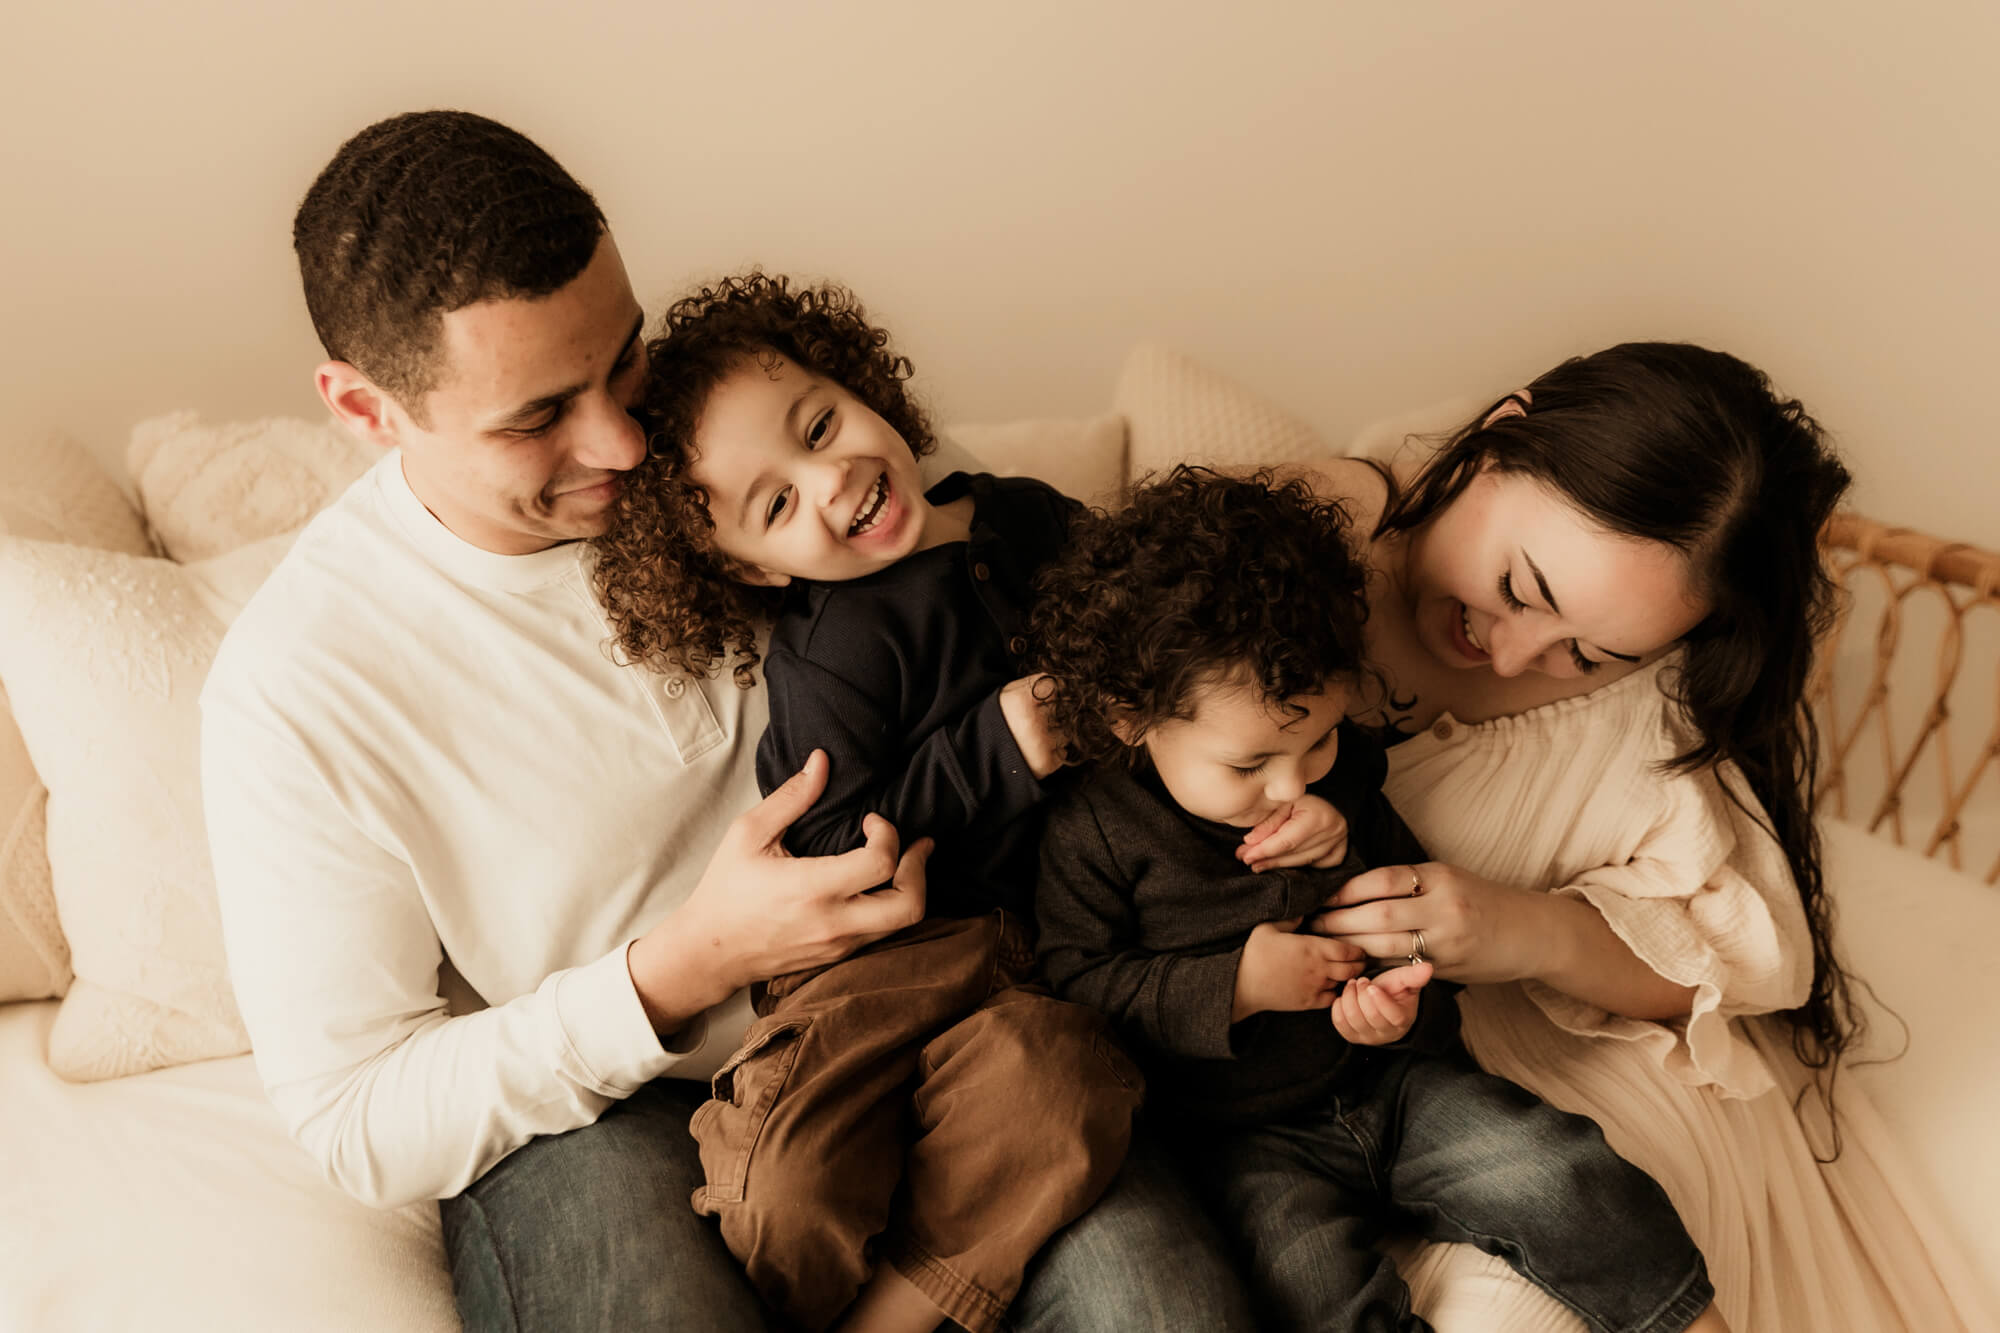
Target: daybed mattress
219 1222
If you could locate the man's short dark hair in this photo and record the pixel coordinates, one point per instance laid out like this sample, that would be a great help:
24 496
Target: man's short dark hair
425 213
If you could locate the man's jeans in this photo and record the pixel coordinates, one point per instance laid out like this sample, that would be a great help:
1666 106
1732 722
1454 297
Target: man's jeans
1434 1145
591 1230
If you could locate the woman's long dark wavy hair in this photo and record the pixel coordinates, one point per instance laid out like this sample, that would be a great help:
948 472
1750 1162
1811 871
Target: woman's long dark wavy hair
1677 444
672 603
1198 578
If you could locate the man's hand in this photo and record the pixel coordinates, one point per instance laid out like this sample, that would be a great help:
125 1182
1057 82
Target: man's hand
1309 832
1024 704
1281 970
760 912
1374 1011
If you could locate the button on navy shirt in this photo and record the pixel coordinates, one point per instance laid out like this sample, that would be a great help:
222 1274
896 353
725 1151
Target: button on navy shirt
897 677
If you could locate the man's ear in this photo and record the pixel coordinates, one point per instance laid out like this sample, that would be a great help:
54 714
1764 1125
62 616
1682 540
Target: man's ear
359 404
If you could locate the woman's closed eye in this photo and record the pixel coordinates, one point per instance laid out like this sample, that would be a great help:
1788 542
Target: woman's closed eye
1514 603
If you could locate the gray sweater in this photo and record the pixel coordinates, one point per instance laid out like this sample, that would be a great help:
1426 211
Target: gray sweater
1143 911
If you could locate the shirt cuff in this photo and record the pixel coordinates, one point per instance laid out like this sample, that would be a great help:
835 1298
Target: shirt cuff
598 1009
1196 1000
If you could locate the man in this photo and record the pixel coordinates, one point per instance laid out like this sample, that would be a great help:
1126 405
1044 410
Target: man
418 756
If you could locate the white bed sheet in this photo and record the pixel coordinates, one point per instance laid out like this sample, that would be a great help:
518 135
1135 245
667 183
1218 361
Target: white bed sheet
174 1200
1924 937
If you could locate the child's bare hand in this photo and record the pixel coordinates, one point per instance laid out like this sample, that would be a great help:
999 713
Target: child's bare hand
1309 832
1374 1011
1281 970
1024 703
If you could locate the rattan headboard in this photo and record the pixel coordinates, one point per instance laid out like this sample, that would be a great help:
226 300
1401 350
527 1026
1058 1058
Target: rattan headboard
1908 695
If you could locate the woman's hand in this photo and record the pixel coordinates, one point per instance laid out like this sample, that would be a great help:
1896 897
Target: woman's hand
1473 929
1308 832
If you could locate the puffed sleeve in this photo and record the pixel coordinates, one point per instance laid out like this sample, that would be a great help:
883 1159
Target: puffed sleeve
1706 900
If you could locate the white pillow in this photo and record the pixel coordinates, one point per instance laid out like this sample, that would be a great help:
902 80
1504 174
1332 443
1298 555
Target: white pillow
1082 457
104 655
53 490
1179 411
207 489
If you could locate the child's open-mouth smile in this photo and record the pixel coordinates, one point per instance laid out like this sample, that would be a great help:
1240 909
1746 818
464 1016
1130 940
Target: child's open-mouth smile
872 505
878 518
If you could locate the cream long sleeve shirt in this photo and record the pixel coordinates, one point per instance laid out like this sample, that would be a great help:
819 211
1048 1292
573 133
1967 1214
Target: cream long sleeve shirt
414 750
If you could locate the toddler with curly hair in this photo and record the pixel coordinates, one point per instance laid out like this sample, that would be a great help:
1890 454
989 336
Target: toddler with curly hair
901 1130
1205 641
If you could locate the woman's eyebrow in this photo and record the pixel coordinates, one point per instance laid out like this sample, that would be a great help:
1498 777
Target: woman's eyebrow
1549 597
1541 581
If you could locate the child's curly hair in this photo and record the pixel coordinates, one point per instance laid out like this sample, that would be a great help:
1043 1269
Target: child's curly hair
1201 576
672 604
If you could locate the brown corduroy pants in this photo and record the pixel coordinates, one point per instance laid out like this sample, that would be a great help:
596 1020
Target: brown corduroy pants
919 1102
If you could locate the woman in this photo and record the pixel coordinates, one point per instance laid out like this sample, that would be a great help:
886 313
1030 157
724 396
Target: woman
1595 608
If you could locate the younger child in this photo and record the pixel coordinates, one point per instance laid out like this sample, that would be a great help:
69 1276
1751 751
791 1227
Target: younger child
1206 644
902 1130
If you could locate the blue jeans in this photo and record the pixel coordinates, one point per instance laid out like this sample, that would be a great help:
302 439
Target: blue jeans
593 1230
1432 1144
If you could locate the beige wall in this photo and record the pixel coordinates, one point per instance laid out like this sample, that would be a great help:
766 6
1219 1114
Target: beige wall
1354 207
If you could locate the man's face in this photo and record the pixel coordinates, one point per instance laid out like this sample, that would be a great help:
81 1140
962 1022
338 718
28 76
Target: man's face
529 425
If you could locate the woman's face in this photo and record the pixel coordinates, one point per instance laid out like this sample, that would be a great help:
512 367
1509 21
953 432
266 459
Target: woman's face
1512 578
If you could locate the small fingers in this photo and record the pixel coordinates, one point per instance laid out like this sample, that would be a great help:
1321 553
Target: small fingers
1335 853
1405 981
1346 1016
1264 828
1383 1011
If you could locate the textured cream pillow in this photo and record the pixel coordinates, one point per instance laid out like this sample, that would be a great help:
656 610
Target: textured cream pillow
1177 411
53 490
1082 457
207 489
104 655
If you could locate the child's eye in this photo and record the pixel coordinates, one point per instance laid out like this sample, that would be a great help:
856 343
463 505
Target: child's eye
1246 772
779 503
817 432
1507 593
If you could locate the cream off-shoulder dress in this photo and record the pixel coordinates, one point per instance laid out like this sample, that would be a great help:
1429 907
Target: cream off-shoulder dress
1569 796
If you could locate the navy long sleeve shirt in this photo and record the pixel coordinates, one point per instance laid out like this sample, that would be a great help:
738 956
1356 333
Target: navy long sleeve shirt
897 676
